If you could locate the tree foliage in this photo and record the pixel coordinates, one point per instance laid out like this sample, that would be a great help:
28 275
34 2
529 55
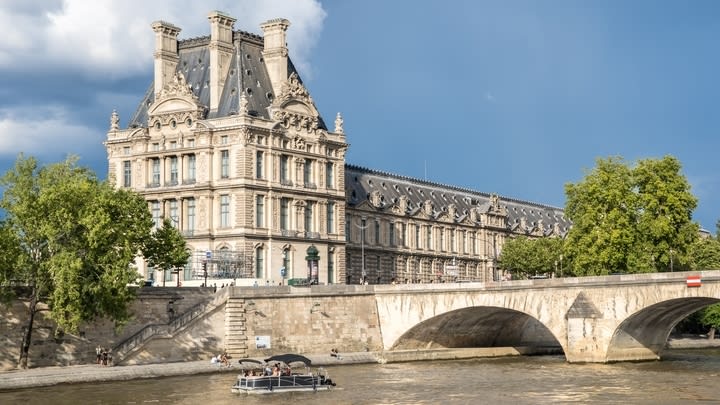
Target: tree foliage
525 257
631 220
166 249
705 254
74 239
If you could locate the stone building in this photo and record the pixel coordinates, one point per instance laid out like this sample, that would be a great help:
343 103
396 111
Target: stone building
228 143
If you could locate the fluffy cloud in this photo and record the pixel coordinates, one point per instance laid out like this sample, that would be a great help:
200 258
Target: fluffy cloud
48 134
64 61
113 37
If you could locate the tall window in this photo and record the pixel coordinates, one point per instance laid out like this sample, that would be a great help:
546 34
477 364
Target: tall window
259 165
442 239
453 248
127 173
191 168
225 164
329 175
308 173
391 234
417 236
363 227
377 232
330 217
284 169
309 208
331 268
260 211
190 226
224 211
155 210
473 242
403 234
284 214
156 172
428 238
259 262
174 213
173 170
347 228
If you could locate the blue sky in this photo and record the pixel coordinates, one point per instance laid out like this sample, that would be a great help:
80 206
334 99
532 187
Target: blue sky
512 97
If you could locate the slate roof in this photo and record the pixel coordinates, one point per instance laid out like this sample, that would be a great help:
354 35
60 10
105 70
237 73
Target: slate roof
360 182
247 73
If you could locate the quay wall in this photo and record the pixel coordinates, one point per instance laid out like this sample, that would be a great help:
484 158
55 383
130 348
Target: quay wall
152 306
250 322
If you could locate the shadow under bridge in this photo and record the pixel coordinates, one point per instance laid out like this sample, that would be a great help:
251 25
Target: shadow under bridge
476 327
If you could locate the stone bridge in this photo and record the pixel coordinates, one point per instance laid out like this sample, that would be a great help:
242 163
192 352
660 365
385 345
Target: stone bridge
593 319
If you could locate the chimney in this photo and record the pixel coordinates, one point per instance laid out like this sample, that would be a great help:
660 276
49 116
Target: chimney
275 51
166 53
221 50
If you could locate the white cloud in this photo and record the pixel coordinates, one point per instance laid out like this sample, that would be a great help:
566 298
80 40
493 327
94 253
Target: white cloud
51 135
113 37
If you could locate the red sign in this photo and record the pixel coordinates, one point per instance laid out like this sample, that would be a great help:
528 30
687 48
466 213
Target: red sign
694 281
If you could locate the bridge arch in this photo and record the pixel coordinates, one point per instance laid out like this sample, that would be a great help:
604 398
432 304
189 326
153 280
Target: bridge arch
644 334
477 326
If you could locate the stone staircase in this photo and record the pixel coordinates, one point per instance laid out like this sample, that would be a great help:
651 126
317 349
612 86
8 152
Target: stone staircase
133 344
236 339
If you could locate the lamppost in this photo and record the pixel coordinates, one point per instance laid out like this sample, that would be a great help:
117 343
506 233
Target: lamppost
671 260
362 247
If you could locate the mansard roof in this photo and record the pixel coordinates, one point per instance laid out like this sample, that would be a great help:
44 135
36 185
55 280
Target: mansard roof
247 74
384 191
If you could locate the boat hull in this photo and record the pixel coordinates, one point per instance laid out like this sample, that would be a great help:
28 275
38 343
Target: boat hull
276 384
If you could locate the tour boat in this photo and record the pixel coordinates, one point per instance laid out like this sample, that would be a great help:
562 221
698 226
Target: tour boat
275 376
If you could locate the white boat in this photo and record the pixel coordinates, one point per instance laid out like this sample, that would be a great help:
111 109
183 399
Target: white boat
275 376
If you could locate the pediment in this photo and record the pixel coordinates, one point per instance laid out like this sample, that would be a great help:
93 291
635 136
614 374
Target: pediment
294 108
172 105
299 107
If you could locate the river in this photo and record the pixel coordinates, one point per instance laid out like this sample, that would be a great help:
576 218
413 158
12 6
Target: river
683 377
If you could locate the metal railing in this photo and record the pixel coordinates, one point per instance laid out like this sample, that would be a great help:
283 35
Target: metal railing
126 347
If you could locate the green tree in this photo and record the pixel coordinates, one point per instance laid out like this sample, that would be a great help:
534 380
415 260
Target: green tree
630 219
710 317
705 254
166 249
602 209
75 238
525 257
665 228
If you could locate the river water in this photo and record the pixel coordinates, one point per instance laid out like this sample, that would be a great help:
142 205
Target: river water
683 377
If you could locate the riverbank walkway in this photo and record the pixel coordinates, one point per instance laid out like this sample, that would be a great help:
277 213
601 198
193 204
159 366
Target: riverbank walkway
48 376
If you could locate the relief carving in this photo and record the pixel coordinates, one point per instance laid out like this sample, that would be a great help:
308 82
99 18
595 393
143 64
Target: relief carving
293 89
376 199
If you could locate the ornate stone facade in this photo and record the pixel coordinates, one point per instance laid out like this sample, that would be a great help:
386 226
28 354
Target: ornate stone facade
242 162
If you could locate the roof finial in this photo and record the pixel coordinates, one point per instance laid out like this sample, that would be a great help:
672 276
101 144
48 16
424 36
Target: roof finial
243 110
339 124
114 121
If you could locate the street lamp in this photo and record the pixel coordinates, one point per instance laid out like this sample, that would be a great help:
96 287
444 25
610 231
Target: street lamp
362 247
